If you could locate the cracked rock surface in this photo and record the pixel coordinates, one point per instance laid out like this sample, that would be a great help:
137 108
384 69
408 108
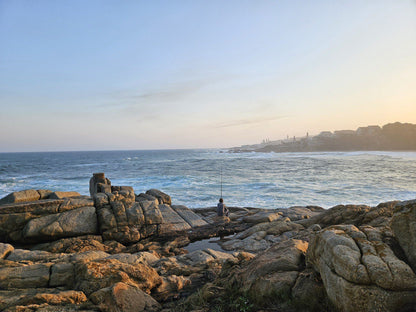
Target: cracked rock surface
118 251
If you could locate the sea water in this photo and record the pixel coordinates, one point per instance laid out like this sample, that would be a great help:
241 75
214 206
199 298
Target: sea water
194 177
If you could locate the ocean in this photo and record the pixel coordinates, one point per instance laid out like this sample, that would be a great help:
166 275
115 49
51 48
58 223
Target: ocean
194 177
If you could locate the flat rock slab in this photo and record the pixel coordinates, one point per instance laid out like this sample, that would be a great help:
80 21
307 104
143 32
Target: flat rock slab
21 196
171 220
41 207
189 216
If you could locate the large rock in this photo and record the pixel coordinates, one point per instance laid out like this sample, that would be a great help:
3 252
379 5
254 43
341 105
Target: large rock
14 217
25 276
403 224
75 222
21 196
275 271
360 272
122 297
120 218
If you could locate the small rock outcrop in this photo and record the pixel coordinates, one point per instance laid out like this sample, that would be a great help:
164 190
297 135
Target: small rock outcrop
99 184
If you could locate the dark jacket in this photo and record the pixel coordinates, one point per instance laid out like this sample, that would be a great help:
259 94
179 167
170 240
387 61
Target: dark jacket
222 210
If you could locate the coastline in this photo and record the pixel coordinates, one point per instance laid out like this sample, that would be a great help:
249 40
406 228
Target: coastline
390 137
121 251
264 180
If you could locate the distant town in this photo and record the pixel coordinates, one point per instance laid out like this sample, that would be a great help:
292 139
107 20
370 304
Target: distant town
390 137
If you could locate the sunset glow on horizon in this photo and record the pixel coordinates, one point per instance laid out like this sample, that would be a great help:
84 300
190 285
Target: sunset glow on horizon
108 75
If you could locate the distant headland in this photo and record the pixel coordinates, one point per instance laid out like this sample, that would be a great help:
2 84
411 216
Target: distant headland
390 137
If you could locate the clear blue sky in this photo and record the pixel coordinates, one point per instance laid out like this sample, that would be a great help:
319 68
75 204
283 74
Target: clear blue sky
93 75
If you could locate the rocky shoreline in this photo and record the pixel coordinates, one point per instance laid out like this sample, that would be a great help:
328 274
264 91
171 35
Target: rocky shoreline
120 251
391 137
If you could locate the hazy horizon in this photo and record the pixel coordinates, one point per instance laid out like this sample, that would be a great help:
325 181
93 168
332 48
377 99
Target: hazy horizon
138 75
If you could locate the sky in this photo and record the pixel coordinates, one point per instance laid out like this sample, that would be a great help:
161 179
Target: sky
110 75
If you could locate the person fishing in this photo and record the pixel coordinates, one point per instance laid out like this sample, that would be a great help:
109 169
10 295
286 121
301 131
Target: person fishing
222 210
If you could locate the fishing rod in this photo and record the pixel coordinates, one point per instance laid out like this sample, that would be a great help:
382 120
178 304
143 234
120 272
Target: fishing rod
221 179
